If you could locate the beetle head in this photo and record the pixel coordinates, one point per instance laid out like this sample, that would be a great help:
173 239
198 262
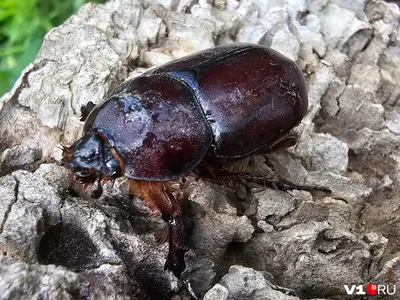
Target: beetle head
91 158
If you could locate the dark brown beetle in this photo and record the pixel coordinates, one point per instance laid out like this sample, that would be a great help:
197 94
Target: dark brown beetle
188 116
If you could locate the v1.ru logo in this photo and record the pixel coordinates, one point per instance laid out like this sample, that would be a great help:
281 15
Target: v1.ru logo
370 289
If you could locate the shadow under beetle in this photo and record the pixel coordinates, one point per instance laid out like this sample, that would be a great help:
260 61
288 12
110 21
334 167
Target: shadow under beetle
188 117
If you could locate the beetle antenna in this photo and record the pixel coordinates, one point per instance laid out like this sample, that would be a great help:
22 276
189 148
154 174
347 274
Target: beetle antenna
62 147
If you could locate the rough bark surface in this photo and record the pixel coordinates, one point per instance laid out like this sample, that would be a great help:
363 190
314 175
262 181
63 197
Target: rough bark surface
245 243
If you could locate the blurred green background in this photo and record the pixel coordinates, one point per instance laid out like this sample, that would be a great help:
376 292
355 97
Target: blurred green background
23 24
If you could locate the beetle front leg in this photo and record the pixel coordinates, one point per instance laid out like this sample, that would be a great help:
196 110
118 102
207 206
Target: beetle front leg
159 199
175 261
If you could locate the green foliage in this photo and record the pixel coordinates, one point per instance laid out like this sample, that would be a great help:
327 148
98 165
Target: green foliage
23 24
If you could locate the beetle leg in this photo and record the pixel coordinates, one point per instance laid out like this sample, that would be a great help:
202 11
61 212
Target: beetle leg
176 235
158 197
99 190
149 192
230 178
175 261
283 185
288 140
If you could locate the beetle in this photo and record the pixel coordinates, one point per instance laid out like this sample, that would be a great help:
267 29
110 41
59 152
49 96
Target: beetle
189 116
